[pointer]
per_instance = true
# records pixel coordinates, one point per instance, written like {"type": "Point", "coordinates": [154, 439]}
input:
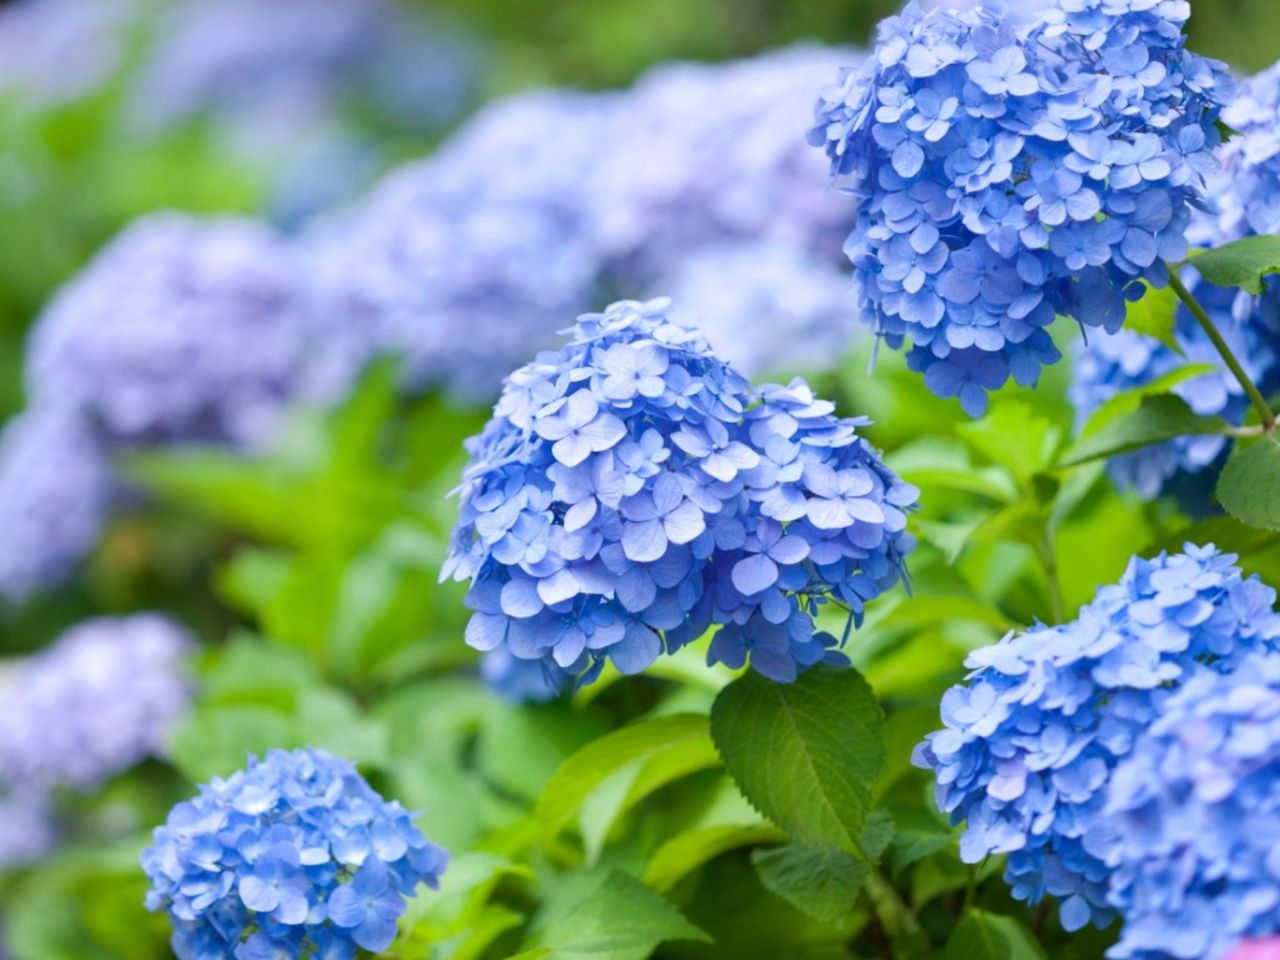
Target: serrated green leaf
{"type": "Point", "coordinates": [989, 936]}
{"type": "Point", "coordinates": [687, 851]}
{"type": "Point", "coordinates": [1155, 315]}
{"type": "Point", "coordinates": [1249, 487]}
{"type": "Point", "coordinates": [621, 919]}
{"type": "Point", "coordinates": [805, 754]}
{"type": "Point", "coordinates": [587, 769]}
{"type": "Point", "coordinates": [1157, 419]}
{"type": "Point", "coordinates": [821, 882]}
{"type": "Point", "coordinates": [1244, 263]}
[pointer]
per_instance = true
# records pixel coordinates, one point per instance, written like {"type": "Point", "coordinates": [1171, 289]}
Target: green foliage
{"type": "Point", "coordinates": [988, 936]}
{"type": "Point", "coordinates": [1157, 418]}
{"type": "Point", "coordinates": [1244, 263]}
{"type": "Point", "coordinates": [1250, 484]}
{"type": "Point", "coordinates": [1155, 315]}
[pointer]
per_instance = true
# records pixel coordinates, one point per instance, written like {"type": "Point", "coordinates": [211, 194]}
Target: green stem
{"type": "Point", "coordinates": [1049, 560]}
{"type": "Point", "coordinates": [1197, 311]}
{"type": "Point", "coordinates": [897, 919]}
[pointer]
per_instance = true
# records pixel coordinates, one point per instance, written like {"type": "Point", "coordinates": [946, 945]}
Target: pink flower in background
{"type": "Point", "coordinates": [1268, 949]}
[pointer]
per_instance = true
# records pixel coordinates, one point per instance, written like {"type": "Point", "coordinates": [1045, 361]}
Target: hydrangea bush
{"type": "Point", "coordinates": [1192, 818]}
{"type": "Point", "coordinates": [633, 491]}
{"type": "Point", "coordinates": [1011, 166]}
{"type": "Point", "coordinates": [294, 856]}
{"type": "Point", "coordinates": [1034, 735]}
{"type": "Point", "coordinates": [1242, 196]}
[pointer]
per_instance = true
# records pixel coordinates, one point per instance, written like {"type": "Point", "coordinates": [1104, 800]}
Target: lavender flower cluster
{"type": "Point", "coordinates": [633, 490]}
{"type": "Point", "coordinates": [295, 856]}
{"type": "Point", "coordinates": [1012, 166]}
{"type": "Point", "coordinates": [1035, 734]}
{"type": "Point", "coordinates": [1242, 202]}
{"type": "Point", "coordinates": [1192, 820]}
{"type": "Point", "coordinates": [52, 51]}
{"type": "Point", "coordinates": [98, 701]}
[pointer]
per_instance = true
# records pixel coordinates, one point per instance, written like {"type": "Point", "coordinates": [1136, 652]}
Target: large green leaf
{"type": "Point", "coordinates": [621, 919]}
{"type": "Point", "coordinates": [687, 851]}
{"type": "Point", "coordinates": [591, 766]}
{"type": "Point", "coordinates": [989, 936]}
{"type": "Point", "coordinates": [822, 882]}
{"type": "Point", "coordinates": [1155, 315]}
{"type": "Point", "coordinates": [1249, 487]}
{"type": "Point", "coordinates": [1157, 419]}
{"type": "Point", "coordinates": [806, 754]}
{"type": "Point", "coordinates": [1244, 263]}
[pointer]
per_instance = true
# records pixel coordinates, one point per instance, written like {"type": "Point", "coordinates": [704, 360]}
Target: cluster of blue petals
{"type": "Point", "coordinates": [1013, 166]}
{"type": "Point", "coordinates": [1244, 200]}
{"type": "Point", "coordinates": [633, 491]}
{"type": "Point", "coordinates": [296, 856]}
{"type": "Point", "coordinates": [1191, 830]}
{"type": "Point", "coordinates": [1033, 735]}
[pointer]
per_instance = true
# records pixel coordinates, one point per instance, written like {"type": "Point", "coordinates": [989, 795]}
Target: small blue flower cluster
{"type": "Point", "coordinates": [523, 681]}
{"type": "Point", "coordinates": [1191, 830]}
{"type": "Point", "coordinates": [99, 700]}
{"type": "Point", "coordinates": [632, 491]}
{"type": "Point", "coordinates": [149, 343]}
{"type": "Point", "coordinates": [55, 490]}
{"type": "Point", "coordinates": [1010, 167]}
{"type": "Point", "coordinates": [52, 51]}
{"type": "Point", "coordinates": [297, 856]}
{"type": "Point", "coordinates": [1243, 202]}
{"type": "Point", "coordinates": [1033, 735]}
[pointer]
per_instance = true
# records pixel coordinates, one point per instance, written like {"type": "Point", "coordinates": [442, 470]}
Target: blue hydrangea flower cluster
{"type": "Point", "coordinates": [465, 264]}
{"type": "Point", "coordinates": [1012, 166]}
{"type": "Point", "coordinates": [55, 490]}
{"type": "Point", "coordinates": [783, 310]}
{"type": "Point", "coordinates": [1192, 824]}
{"type": "Point", "coordinates": [523, 681]}
{"type": "Point", "coordinates": [148, 344]}
{"type": "Point", "coordinates": [99, 700]}
{"type": "Point", "coordinates": [27, 828]}
{"type": "Point", "coordinates": [52, 51]}
{"type": "Point", "coordinates": [633, 491]}
{"type": "Point", "coordinates": [1242, 202]}
{"type": "Point", "coordinates": [1033, 735]}
{"type": "Point", "coordinates": [296, 856]}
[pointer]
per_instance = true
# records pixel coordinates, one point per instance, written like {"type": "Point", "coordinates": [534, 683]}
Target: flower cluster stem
{"type": "Point", "coordinates": [1211, 330]}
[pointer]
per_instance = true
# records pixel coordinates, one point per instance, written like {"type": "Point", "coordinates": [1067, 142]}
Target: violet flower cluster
{"type": "Point", "coordinates": [1192, 820]}
{"type": "Point", "coordinates": [1010, 166]}
{"type": "Point", "coordinates": [1244, 200]}
{"type": "Point", "coordinates": [634, 491]}
{"type": "Point", "coordinates": [294, 856]}
{"type": "Point", "coordinates": [149, 344]}
{"type": "Point", "coordinates": [1034, 735]}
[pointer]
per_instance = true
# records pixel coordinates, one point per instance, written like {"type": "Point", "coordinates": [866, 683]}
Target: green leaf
{"type": "Point", "coordinates": [621, 919]}
{"type": "Point", "coordinates": [591, 766]}
{"type": "Point", "coordinates": [989, 936]}
{"type": "Point", "coordinates": [1249, 487]}
{"type": "Point", "coordinates": [824, 883]}
{"type": "Point", "coordinates": [687, 851]}
{"type": "Point", "coordinates": [1244, 263]}
{"type": "Point", "coordinates": [805, 754]}
{"type": "Point", "coordinates": [945, 462]}
{"type": "Point", "coordinates": [1155, 316]}
{"type": "Point", "coordinates": [1129, 400]}
{"type": "Point", "coordinates": [216, 742]}
{"type": "Point", "coordinates": [1157, 419]}
{"type": "Point", "coordinates": [1014, 436]}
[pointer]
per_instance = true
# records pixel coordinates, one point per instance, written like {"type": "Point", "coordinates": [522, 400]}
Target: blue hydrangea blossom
{"type": "Point", "coordinates": [295, 856]}
{"type": "Point", "coordinates": [52, 51]}
{"type": "Point", "coordinates": [634, 491]}
{"type": "Point", "coordinates": [181, 330]}
{"type": "Point", "coordinates": [522, 681]}
{"type": "Point", "coordinates": [99, 700]}
{"type": "Point", "coordinates": [1192, 821]}
{"type": "Point", "coordinates": [55, 490]}
{"type": "Point", "coordinates": [1242, 202]}
{"type": "Point", "coordinates": [1010, 166]}
{"type": "Point", "coordinates": [27, 827]}
{"type": "Point", "coordinates": [1033, 735]}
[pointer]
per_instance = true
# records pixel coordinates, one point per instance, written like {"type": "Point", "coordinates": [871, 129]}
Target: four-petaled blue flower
{"type": "Point", "coordinates": [634, 491]}
{"type": "Point", "coordinates": [294, 857]}
{"type": "Point", "coordinates": [1012, 166]}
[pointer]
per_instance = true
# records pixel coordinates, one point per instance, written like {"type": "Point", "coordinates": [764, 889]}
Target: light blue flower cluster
{"type": "Point", "coordinates": [1033, 735]}
{"type": "Point", "coordinates": [1242, 202]}
{"type": "Point", "coordinates": [55, 489]}
{"type": "Point", "coordinates": [52, 51]}
{"type": "Point", "coordinates": [1012, 166]}
{"type": "Point", "coordinates": [633, 491]}
{"type": "Point", "coordinates": [296, 856]}
{"type": "Point", "coordinates": [523, 681]}
{"type": "Point", "coordinates": [148, 344]}
{"type": "Point", "coordinates": [27, 828]}
{"type": "Point", "coordinates": [1192, 824]}
{"type": "Point", "coordinates": [99, 700]}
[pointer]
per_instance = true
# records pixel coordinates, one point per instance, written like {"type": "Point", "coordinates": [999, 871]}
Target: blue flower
{"type": "Point", "coordinates": [633, 492]}
{"type": "Point", "coordinates": [1242, 202]}
{"type": "Point", "coordinates": [1013, 166]}
{"type": "Point", "coordinates": [1033, 737]}
{"type": "Point", "coordinates": [1192, 819]}
{"type": "Point", "coordinates": [295, 856]}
